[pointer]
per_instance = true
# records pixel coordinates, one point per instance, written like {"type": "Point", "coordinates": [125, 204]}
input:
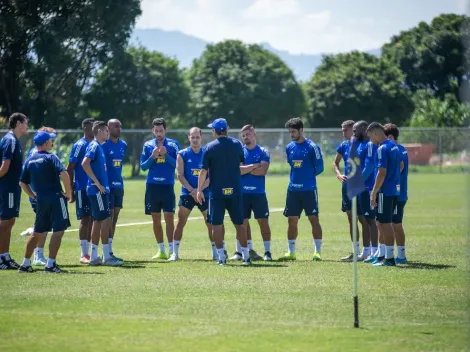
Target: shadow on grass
{"type": "Point", "coordinates": [125, 266]}
{"type": "Point", "coordinates": [256, 265]}
{"type": "Point", "coordinates": [425, 266]}
{"type": "Point", "coordinates": [80, 273]}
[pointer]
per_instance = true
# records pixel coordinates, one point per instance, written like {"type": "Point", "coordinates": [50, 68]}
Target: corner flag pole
{"type": "Point", "coordinates": [355, 255]}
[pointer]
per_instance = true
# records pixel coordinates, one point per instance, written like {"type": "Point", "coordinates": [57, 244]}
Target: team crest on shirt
{"type": "Point", "coordinates": [195, 172]}
{"type": "Point", "coordinates": [160, 160]}
{"type": "Point", "coordinates": [352, 166]}
{"type": "Point", "coordinates": [117, 162]}
{"type": "Point", "coordinates": [227, 191]}
{"type": "Point", "coordinates": [297, 163]}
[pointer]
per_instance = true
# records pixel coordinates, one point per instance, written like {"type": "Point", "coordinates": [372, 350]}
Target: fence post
{"type": "Point", "coordinates": [441, 156]}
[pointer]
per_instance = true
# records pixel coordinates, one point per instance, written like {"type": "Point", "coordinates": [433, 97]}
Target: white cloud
{"type": "Point", "coordinates": [282, 23]}
{"type": "Point", "coordinates": [462, 6]}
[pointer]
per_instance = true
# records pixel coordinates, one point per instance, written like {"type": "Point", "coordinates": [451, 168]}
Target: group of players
{"type": "Point", "coordinates": [224, 175]}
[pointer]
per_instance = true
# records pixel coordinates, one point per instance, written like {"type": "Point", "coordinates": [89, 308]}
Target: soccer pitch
{"type": "Point", "coordinates": [194, 305]}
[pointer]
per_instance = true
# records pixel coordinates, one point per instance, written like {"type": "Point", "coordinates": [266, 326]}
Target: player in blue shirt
{"type": "Point", "coordinates": [43, 172]}
{"type": "Point", "coordinates": [222, 160]}
{"type": "Point", "coordinates": [114, 150]}
{"type": "Point", "coordinates": [10, 191]}
{"type": "Point", "coordinates": [392, 133]}
{"type": "Point", "coordinates": [306, 162]}
{"type": "Point", "coordinates": [254, 170]}
{"type": "Point", "coordinates": [342, 153]}
{"type": "Point", "coordinates": [159, 158]}
{"type": "Point", "coordinates": [386, 189]}
{"type": "Point", "coordinates": [38, 256]}
{"type": "Point", "coordinates": [367, 152]}
{"type": "Point", "coordinates": [94, 164]}
{"type": "Point", "coordinates": [79, 179]}
{"type": "Point", "coordinates": [188, 167]}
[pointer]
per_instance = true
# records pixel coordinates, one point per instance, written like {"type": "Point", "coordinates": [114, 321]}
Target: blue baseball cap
{"type": "Point", "coordinates": [42, 137]}
{"type": "Point", "coordinates": [218, 124]}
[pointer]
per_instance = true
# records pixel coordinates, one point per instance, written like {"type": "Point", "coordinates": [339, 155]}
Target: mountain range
{"type": "Point", "coordinates": [186, 48]}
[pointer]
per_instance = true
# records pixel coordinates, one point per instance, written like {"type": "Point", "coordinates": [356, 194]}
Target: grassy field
{"type": "Point", "coordinates": [194, 305]}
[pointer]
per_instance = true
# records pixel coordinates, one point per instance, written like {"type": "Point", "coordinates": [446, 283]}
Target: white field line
{"type": "Point", "coordinates": [274, 210]}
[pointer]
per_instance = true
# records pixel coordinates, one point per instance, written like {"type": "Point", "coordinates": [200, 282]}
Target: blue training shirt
{"type": "Point", "coordinates": [10, 149]}
{"type": "Point", "coordinates": [306, 163]}
{"type": "Point", "coordinates": [388, 157]}
{"type": "Point", "coordinates": [76, 156]}
{"type": "Point", "coordinates": [254, 184]}
{"type": "Point", "coordinates": [95, 152]}
{"type": "Point", "coordinates": [343, 150]}
{"type": "Point", "coordinates": [114, 153]}
{"type": "Point", "coordinates": [161, 170]}
{"type": "Point", "coordinates": [367, 152]}
{"type": "Point", "coordinates": [222, 158]}
{"type": "Point", "coordinates": [403, 197]}
{"type": "Point", "coordinates": [192, 168]}
{"type": "Point", "coordinates": [42, 172]}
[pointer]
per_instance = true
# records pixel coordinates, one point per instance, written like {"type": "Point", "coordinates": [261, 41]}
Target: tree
{"type": "Point", "coordinates": [357, 86]}
{"type": "Point", "coordinates": [49, 50]}
{"type": "Point", "coordinates": [136, 87]}
{"type": "Point", "coordinates": [245, 84]}
{"type": "Point", "coordinates": [432, 56]}
{"type": "Point", "coordinates": [431, 111]}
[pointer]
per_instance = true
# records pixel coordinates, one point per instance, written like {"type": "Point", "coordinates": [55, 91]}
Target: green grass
{"type": "Point", "coordinates": [193, 305]}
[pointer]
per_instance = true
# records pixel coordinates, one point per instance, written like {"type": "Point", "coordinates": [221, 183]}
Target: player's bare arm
{"type": "Point", "coordinates": [342, 178]}
{"type": "Point", "coordinates": [378, 183]}
{"type": "Point", "coordinates": [246, 169]}
{"type": "Point", "coordinates": [27, 189]}
{"type": "Point", "coordinates": [180, 174]}
{"type": "Point", "coordinates": [64, 176]}
{"type": "Point", "coordinates": [5, 167]}
{"type": "Point", "coordinates": [70, 171]}
{"type": "Point", "coordinates": [200, 186]}
{"type": "Point", "coordinates": [262, 170]}
{"type": "Point", "coordinates": [87, 168]}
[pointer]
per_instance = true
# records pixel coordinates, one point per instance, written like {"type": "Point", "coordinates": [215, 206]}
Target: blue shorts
{"type": "Point", "coordinates": [346, 204]}
{"type": "Point", "coordinates": [158, 198]}
{"type": "Point", "coordinates": [298, 201]}
{"type": "Point", "coordinates": [399, 212]}
{"type": "Point", "coordinates": [217, 207]}
{"type": "Point", "coordinates": [52, 215]}
{"type": "Point", "coordinates": [187, 201]}
{"type": "Point", "coordinates": [364, 207]}
{"type": "Point", "coordinates": [33, 203]}
{"type": "Point", "coordinates": [10, 199]}
{"type": "Point", "coordinates": [385, 208]}
{"type": "Point", "coordinates": [99, 206]}
{"type": "Point", "coordinates": [82, 204]}
{"type": "Point", "coordinates": [258, 203]}
{"type": "Point", "coordinates": [116, 198]}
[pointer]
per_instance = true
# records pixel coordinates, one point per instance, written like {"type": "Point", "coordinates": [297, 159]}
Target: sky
{"type": "Point", "coordinates": [297, 26]}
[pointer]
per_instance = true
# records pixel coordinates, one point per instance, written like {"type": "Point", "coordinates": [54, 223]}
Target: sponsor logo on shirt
{"type": "Point", "coordinates": [117, 162]}
{"type": "Point", "coordinates": [116, 183]}
{"type": "Point", "coordinates": [159, 179]}
{"type": "Point", "coordinates": [195, 172]}
{"type": "Point", "coordinates": [160, 160]}
{"type": "Point", "coordinates": [36, 161]}
{"type": "Point", "coordinates": [227, 191]}
{"type": "Point", "coordinates": [249, 188]}
{"type": "Point", "coordinates": [297, 185]}
{"type": "Point", "coordinates": [297, 163]}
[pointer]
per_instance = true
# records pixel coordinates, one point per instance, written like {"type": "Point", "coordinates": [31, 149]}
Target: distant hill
{"type": "Point", "coordinates": [186, 48]}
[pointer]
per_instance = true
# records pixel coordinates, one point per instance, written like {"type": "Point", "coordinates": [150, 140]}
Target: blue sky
{"type": "Point", "coordinates": [298, 26]}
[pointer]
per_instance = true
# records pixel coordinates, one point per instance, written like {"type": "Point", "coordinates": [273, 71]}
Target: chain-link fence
{"type": "Point", "coordinates": [429, 149]}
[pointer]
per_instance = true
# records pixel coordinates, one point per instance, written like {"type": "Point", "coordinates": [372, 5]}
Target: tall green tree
{"type": "Point", "coordinates": [49, 50]}
{"type": "Point", "coordinates": [136, 87]}
{"type": "Point", "coordinates": [245, 84]}
{"type": "Point", "coordinates": [357, 86]}
{"type": "Point", "coordinates": [432, 56]}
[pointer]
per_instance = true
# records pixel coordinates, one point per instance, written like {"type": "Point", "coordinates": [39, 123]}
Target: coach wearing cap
{"type": "Point", "coordinates": [222, 159]}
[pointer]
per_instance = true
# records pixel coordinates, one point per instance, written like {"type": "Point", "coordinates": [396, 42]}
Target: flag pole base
{"type": "Point", "coordinates": [356, 312]}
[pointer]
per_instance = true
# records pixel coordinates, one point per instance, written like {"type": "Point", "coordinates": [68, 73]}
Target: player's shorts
{"type": "Point", "coordinates": [298, 201]}
{"type": "Point", "coordinates": [82, 204]}
{"type": "Point", "coordinates": [158, 198]}
{"type": "Point", "coordinates": [258, 203]}
{"type": "Point", "coordinates": [346, 203]}
{"type": "Point", "coordinates": [364, 207]}
{"type": "Point", "coordinates": [99, 206]}
{"type": "Point", "coordinates": [116, 198]}
{"type": "Point", "coordinates": [399, 212]}
{"type": "Point", "coordinates": [33, 203]}
{"type": "Point", "coordinates": [385, 208]}
{"type": "Point", "coordinates": [187, 201]}
{"type": "Point", "coordinates": [217, 207]}
{"type": "Point", "coordinates": [52, 215]}
{"type": "Point", "coordinates": [10, 199]}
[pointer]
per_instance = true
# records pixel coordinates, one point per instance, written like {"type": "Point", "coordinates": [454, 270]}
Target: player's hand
{"type": "Point", "coordinates": [72, 198]}
{"type": "Point", "coordinates": [163, 150]}
{"type": "Point", "coordinates": [155, 152]}
{"type": "Point", "coordinates": [193, 194]}
{"type": "Point", "coordinates": [342, 178]}
{"type": "Point", "coordinates": [200, 197]}
{"type": "Point", "coordinates": [101, 188]}
{"type": "Point", "coordinates": [256, 166]}
{"type": "Point", "coordinates": [69, 196]}
{"type": "Point", "coordinates": [373, 199]}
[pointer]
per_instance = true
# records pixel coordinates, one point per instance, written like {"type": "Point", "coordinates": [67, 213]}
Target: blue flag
{"type": "Point", "coordinates": [355, 182]}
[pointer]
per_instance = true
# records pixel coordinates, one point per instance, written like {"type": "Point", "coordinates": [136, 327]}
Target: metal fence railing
{"type": "Point", "coordinates": [431, 149]}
